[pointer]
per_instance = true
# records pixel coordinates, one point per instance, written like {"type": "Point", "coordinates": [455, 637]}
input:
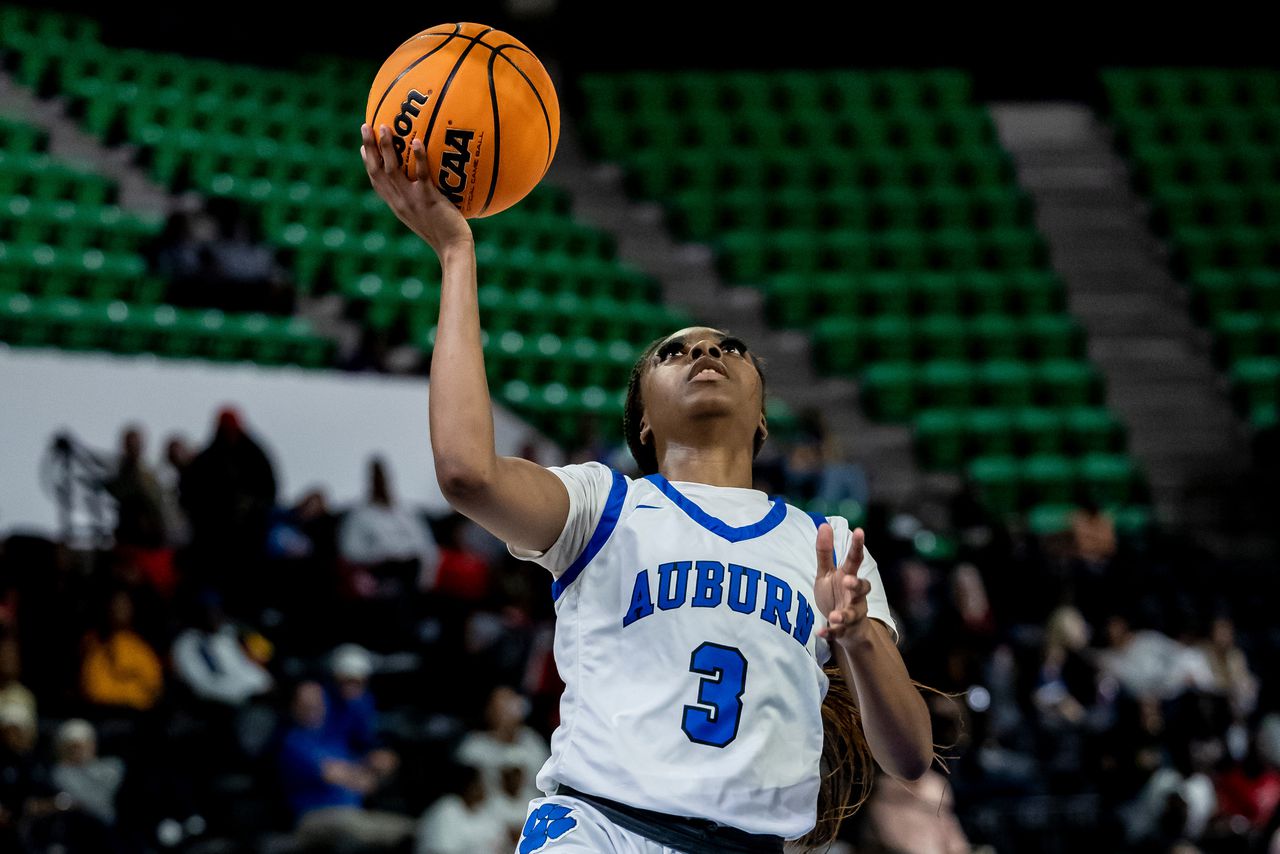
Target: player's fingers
{"type": "Point", "coordinates": [826, 546]}
{"type": "Point", "coordinates": [857, 587]}
{"type": "Point", "coordinates": [853, 562]}
{"type": "Point", "coordinates": [369, 151]}
{"type": "Point", "coordinates": [420, 163]}
{"type": "Point", "coordinates": [390, 163]}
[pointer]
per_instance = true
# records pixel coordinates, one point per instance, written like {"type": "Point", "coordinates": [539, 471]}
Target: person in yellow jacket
{"type": "Point", "coordinates": [118, 667]}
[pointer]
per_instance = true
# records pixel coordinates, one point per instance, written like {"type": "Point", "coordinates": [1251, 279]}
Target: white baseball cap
{"type": "Point", "coordinates": [351, 661]}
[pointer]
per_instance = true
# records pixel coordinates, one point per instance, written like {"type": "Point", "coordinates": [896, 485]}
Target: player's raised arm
{"type": "Point", "coordinates": [516, 500]}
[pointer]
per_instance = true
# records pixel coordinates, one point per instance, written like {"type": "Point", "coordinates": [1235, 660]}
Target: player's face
{"type": "Point", "coordinates": [699, 373]}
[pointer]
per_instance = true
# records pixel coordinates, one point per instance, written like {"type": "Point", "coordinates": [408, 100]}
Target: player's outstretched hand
{"type": "Point", "coordinates": [841, 594]}
{"type": "Point", "coordinates": [418, 204]}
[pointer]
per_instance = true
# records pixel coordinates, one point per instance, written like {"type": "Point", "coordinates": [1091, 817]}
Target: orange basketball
{"type": "Point", "coordinates": [483, 106]}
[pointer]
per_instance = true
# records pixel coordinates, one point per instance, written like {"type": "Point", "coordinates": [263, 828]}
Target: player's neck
{"type": "Point", "coordinates": [715, 465]}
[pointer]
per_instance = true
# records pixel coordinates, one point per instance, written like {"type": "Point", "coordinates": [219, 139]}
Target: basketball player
{"type": "Point", "coordinates": [694, 614]}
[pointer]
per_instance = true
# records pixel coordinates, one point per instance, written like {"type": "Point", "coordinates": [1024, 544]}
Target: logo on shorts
{"type": "Point", "coordinates": [547, 822]}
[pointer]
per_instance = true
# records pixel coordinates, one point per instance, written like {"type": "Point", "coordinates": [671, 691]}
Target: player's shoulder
{"type": "Point", "coordinates": [839, 524]}
{"type": "Point", "coordinates": [590, 470]}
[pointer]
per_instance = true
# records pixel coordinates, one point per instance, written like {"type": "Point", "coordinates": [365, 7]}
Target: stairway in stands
{"type": "Point", "coordinates": [1160, 378]}
{"type": "Point", "coordinates": [690, 280]}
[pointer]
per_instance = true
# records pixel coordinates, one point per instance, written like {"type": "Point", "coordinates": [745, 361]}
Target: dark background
{"type": "Point", "coordinates": [1030, 51]}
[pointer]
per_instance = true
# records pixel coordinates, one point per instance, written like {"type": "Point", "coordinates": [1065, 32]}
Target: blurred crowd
{"type": "Point", "coordinates": [215, 257]}
{"type": "Point", "coordinates": [244, 671]}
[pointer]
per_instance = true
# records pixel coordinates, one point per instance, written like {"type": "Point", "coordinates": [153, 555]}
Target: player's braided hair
{"type": "Point", "coordinates": [646, 456]}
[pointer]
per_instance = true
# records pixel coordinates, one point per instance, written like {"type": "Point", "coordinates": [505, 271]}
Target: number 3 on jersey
{"type": "Point", "coordinates": [725, 670]}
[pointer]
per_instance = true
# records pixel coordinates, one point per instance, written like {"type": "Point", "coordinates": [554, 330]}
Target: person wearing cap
{"type": "Point", "coordinates": [25, 788]}
{"type": "Point", "coordinates": [326, 783]}
{"type": "Point", "coordinates": [352, 713]}
{"type": "Point", "coordinates": [228, 492]}
{"type": "Point", "coordinates": [90, 780]}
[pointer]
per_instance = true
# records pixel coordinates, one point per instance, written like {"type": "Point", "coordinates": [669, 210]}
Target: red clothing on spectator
{"type": "Point", "coordinates": [1255, 798]}
{"type": "Point", "coordinates": [462, 574]}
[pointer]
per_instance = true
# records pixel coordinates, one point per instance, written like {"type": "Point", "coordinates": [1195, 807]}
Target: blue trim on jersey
{"type": "Point", "coordinates": [608, 521]}
{"type": "Point", "coordinates": [717, 526]}
{"type": "Point", "coordinates": [818, 521]}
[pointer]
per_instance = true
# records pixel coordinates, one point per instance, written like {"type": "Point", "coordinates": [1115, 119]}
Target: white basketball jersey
{"type": "Point", "coordinates": [689, 652]}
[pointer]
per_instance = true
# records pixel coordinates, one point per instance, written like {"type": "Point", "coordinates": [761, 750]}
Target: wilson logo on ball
{"type": "Point", "coordinates": [453, 163]}
{"type": "Point", "coordinates": [403, 124]}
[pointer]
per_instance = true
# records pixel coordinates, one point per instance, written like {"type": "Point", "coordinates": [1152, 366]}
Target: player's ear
{"type": "Point", "coordinates": [762, 430]}
{"type": "Point", "coordinates": [646, 432]}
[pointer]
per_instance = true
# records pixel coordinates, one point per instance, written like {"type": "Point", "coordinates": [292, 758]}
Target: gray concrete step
{"type": "Point", "coordinates": [1160, 379]}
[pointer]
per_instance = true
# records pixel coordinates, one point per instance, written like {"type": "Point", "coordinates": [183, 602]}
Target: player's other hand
{"type": "Point", "coordinates": [841, 595]}
{"type": "Point", "coordinates": [418, 204]}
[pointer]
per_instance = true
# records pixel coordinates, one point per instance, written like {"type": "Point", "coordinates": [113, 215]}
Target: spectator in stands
{"type": "Point", "coordinates": [210, 660]}
{"type": "Point", "coordinates": [816, 468]}
{"type": "Point", "coordinates": [1149, 664]}
{"type": "Point", "coordinates": [384, 542]}
{"type": "Point", "coordinates": [510, 803]}
{"type": "Point", "coordinates": [26, 791]}
{"type": "Point", "coordinates": [180, 255]}
{"type": "Point", "coordinates": [1178, 799]}
{"type": "Point", "coordinates": [229, 491]}
{"type": "Point", "coordinates": [244, 266]}
{"type": "Point", "coordinates": [140, 514]}
{"type": "Point", "coordinates": [1093, 533]}
{"type": "Point", "coordinates": [326, 784]}
{"type": "Point", "coordinates": [118, 668]}
{"type": "Point", "coordinates": [969, 626]}
{"type": "Point", "coordinates": [1232, 676]}
{"type": "Point", "coordinates": [462, 573]}
{"type": "Point", "coordinates": [178, 456]}
{"type": "Point", "coordinates": [304, 531]}
{"type": "Point", "coordinates": [1250, 788]}
{"type": "Point", "coordinates": [352, 715]}
{"type": "Point", "coordinates": [12, 691]}
{"type": "Point", "coordinates": [141, 535]}
{"type": "Point", "coordinates": [91, 781]}
{"type": "Point", "coordinates": [463, 821]}
{"type": "Point", "coordinates": [505, 742]}
{"type": "Point", "coordinates": [1067, 683]}
{"type": "Point", "coordinates": [370, 354]}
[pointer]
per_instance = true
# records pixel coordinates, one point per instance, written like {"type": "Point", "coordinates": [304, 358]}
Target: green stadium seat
{"type": "Point", "coordinates": [1257, 382]}
{"type": "Point", "coordinates": [1048, 479]}
{"type": "Point", "coordinates": [1066, 383]}
{"type": "Point", "coordinates": [944, 336]}
{"type": "Point", "coordinates": [997, 336]}
{"type": "Point", "coordinates": [939, 436]}
{"type": "Point", "coordinates": [1109, 478]}
{"type": "Point", "coordinates": [989, 433]}
{"type": "Point", "coordinates": [1039, 431]}
{"type": "Point", "coordinates": [1093, 430]}
{"type": "Point", "coordinates": [839, 346]}
{"type": "Point", "coordinates": [996, 482]}
{"type": "Point", "coordinates": [1046, 520]}
{"type": "Point", "coordinates": [1240, 335]}
{"type": "Point", "coordinates": [888, 390]}
{"type": "Point", "coordinates": [947, 384]}
{"type": "Point", "coordinates": [1006, 383]}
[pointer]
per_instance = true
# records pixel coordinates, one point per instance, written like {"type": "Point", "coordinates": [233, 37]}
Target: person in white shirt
{"type": "Point", "coordinates": [387, 541]}
{"type": "Point", "coordinates": [506, 743]}
{"type": "Point", "coordinates": [91, 781]}
{"type": "Point", "coordinates": [463, 822]}
{"type": "Point", "coordinates": [211, 661]}
{"type": "Point", "coordinates": [696, 616]}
